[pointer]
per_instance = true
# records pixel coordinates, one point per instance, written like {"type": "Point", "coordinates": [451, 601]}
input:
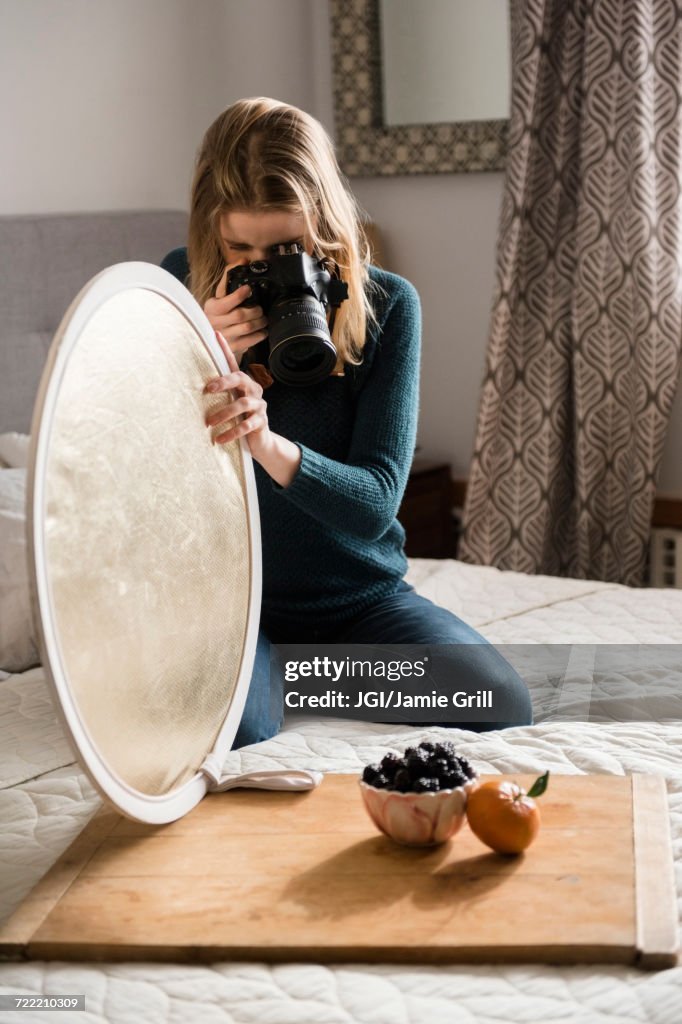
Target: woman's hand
{"type": "Point", "coordinates": [245, 401]}
{"type": "Point", "coordinates": [278, 456]}
{"type": "Point", "coordinates": [241, 326]}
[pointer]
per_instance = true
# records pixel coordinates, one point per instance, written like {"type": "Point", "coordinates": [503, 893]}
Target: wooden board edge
{"type": "Point", "coordinates": [18, 929]}
{"type": "Point", "coordinates": [657, 938]}
{"type": "Point", "coordinates": [531, 955]}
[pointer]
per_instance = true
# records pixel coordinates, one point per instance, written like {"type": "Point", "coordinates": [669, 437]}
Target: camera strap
{"type": "Point", "coordinates": [260, 374]}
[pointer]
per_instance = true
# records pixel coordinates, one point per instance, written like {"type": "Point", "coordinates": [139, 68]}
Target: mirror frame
{"type": "Point", "coordinates": [364, 144]}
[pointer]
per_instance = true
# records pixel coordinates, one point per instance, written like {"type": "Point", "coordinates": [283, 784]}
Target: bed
{"type": "Point", "coordinates": [619, 721]}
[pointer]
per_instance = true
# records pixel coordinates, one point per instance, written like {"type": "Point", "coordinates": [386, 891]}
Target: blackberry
{"type": "Point", "coordinates": [427, 746]}
{"type": "Point", "coordinates": [466, 767]}
{"type": "Point", "coordinates": [370, 773]}
{"type": "Point", "coordinates": [402, 781]}
{"type": "Point", "coordinates": [380, 781]}
{"type": "Point", "coordinates": [390, 763]}
{"type": "Point", "coordinates": [438, 767]}
{"type": "Point", "coordinates": [446, 750]}
{"type": "Point", "coordinates": [410, 752]}
{"type": "Point", "coordinates": [425, 785]}
{"type": "Point", "coordinates": [453, 780]}
{"type": "Point", "coordinates": [417, 764]}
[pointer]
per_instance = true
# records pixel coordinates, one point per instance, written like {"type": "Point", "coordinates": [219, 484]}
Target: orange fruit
{"type": "Point", "coordinates": [503, 816]}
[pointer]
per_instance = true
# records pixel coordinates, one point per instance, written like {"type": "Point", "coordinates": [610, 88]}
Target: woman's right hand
{"type": "Point", "coordinates": [241, 326]}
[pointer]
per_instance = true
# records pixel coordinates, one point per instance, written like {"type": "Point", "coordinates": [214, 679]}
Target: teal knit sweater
{"type": "Point", "coordinates": [332, 545]}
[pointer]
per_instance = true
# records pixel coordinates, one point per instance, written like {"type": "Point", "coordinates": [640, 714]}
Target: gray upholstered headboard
{"type": "Point", "coordinates": [45, 260]}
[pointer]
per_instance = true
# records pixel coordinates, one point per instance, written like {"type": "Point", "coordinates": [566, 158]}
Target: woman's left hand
{"type": "Point", "coordinates": [246, 401]}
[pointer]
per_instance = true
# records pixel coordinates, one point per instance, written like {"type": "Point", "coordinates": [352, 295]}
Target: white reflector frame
{"type": "Point", "coordinates": [144, 543]}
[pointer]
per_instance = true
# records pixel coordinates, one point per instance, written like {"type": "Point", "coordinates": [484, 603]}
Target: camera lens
{"type": "Point", "coordinates": [303, 355]}
{"type": "Point", "coordinates": [301, 349]}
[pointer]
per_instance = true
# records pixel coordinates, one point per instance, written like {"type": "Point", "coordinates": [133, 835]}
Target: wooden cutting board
{"type": "Point", "coordinates": [306, 877]}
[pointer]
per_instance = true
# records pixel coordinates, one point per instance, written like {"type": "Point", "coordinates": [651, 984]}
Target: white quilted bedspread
{"type": "Point", "coordinates": [45, 801]}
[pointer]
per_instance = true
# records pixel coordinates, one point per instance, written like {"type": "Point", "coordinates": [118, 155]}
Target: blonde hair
{"type": "Point", "coordinates": [261, 154]}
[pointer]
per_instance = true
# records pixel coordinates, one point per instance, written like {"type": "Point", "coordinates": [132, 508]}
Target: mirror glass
{"type": "Point", "coordinates": [444, 60]}
{"type": "Point", "coordinates": [145, 541]}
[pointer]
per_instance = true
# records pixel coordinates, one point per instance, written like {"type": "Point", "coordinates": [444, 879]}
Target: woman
{"type": "Point", "coordinates": [331, 459]}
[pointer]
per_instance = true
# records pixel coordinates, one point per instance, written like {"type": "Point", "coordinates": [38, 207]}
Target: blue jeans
{"type": "Point", "coordinates": [403, 618]}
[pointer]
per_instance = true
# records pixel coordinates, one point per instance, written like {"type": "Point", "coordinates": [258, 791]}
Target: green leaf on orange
{"type": "Point", "coordinates": [539, 786]}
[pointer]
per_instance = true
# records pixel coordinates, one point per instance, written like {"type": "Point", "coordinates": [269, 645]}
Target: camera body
{"type": "Point", "coordinates": [295, 291]}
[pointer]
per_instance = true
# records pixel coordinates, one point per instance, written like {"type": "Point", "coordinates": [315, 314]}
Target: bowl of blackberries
{"type": "Point", "coordinates": [419, 798]}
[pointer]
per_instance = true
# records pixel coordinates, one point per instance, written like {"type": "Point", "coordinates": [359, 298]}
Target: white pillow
{"type": "Point", "coordinates": [14, 450]}
{"type": "Point", "coordinates": [18, 645]}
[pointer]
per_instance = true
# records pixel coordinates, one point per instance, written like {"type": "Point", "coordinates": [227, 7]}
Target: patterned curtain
{"type": "Point", "coordinates": [584, 352]}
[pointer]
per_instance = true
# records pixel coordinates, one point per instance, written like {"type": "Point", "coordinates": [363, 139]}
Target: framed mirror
{"type": "Point", "coordinates": [379, 80]}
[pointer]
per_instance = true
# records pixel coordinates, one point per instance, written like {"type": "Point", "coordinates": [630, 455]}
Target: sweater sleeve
{"type": "Point", "coordinates": [362, 496]}
{"type": "Point", "coordinates": [175, 262]}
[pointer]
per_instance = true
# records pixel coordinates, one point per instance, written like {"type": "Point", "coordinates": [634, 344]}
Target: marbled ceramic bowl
{"type": "Point", "coordinates": [418, 819]}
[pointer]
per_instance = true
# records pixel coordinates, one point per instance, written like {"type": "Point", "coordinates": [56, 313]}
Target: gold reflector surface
{"type": "Point", "coordinates": [146, 543]}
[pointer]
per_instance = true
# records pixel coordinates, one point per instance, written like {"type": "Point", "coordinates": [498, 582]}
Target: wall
{"type": "Point", "coordinates": [443, 240]}
{"type": "Point", "coordinates": [100, 106]}
{"type": "Point", "coordinates": [105, 102]}
{"type": "Point", "coordinates": [110, 107]}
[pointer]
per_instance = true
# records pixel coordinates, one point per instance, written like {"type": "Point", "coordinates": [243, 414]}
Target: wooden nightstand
{"type": "Point", "coordinates": [426, 511]}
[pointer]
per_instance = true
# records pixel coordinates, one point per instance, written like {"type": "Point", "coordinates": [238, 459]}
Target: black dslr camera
{"type": "Point", "coordinates": [295, 291]}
